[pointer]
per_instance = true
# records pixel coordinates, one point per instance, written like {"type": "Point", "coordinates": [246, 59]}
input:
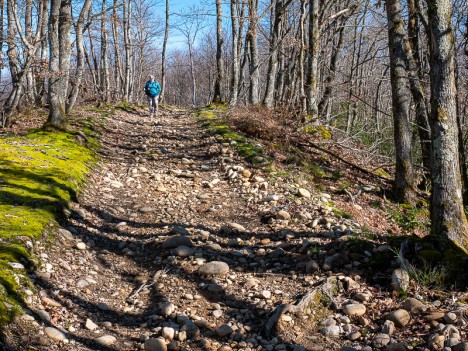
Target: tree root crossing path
{"type": "Point", "coordinates": [177, 243]}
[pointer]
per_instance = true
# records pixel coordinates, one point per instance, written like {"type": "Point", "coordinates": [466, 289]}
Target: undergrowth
{"type": "Point", "coordinates": [210, 117]}
{"type": "Point", "coordinates": [40, 173]}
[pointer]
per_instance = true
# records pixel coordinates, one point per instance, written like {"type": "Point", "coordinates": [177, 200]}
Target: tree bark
{"type": "Point", "coordinates": [403, 187]}
{"type": "Point", "coordinates": [279, 11]}
{"type": "Point", "coordinates": [252, 35]}
{"type": "Point", "coordinates": [80, 59]}
{"type": "Point", "coordinates": [163, 55]}
{"type": "Point", "coordinates": [118, 79]}
{"type": "Point", "coordinates": [329, 80]}
{"type": "Point", "coordinates": [56, 105]}
{"type": "Point", "coordinates": [104, 80]}
{"type": "Point", "coordinates": [313, 53]}
{"type": "Point", "coordinates": [219, 53]}
{"type": "Point", "coordinates": [447, 213]}
{"type": "Point", "coordinates": [235, 58]}
{"type": "Point", "coordinates": [128, 48]}
{"type": "Point", "coordinates": [414, 66]}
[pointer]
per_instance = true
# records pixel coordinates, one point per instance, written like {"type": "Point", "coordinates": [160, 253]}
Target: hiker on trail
{"type": "Point", "coordinates": [152, 91]}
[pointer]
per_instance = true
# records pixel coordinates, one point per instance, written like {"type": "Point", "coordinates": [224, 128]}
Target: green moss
{"type": "Point", "coordinates": [342, 214]}
{"type": "Point", "coordinates": [320, 131]}
{"type": "Point", "coordinates": [40, 173]}
{"type": "Point", "coordinates": [382, 173]}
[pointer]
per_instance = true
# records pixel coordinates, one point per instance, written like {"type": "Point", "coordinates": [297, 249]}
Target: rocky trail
{"type": "Point", "coordinates": [178, 244]}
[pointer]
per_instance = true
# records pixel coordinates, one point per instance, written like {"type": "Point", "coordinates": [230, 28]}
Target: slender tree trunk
{"type": "Point", "coordinates": [30, 85]}
{"type": "Point", "coordinates": [56, 105]}
{"type": "Point", "coordinates": [252, 34]}
{"type": "Point", "coordinates": [447, 213]}
{"type": "Point", "coordinates": [2, 38]}
{"type": "Point", "coordinates": [80, 59]}
{"type": "Point", "coordinates": [64, 48]}
{"type": "Point", "coordinates": [414, 65]}
{"type": "Point", "coordinates": [192, 72]}
{"type": "Point", "coordinates": [104, 60]}
{"type": "Point", "coordinates": [313, 53]}
{"type": "Point", "coordinates": [235, 54]}
{"type": "Point", "coordinates": [303, 100]}
{"type": "Point", "coordinates": [163, 56]}
{"type": "Point", "coordinates": [118, 79]}
{"type": "Point", "coordinates": [330, 79]}
{"type": "Point", "coordinates": [41, 90]}
{"type": "Point", "coordinates": [128, 49]}
{"type": "Point", "coordinates": [279, 10]}
{"type": "Point", "coordinates": [16, 71]}
{"type": "Point", "coordinates": [403, 187]}
{"type": "Point", "coordinates": [219, 53]}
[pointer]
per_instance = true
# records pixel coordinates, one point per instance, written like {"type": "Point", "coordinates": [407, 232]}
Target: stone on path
{"type": "Point", "coordinates": [155, 345]}
{"type": "Point", "coordinates": [354, 309]}
{"type": "Point", "coordinates": [214, 268]}
{"type": "Point", "coordinates": [283, 215]}
{"type": "Point", "coordinates": [400, 317]}
{"type": "Point", "coordinates": [183, 251]}
{"type": "Point", "coordinates": [54, 334]}
{"type": "Point", "coordinates": [90, 325]}
{"type": "Point", "coordinates": [177, 241]}
{"type": "Point", "coordinates": [225, 330]}
{"type": "Point", "coordinates": [304, 193]}
{"type": "Point", "coordinates": [106, 340]}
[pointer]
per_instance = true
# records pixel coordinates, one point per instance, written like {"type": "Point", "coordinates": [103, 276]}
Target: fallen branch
{"type": "Point", "coordinates": [352, 165]}
{"type": "Point", "coordinates": [149, 282]}
{"type": "Point", "coordinates": [308, 301]}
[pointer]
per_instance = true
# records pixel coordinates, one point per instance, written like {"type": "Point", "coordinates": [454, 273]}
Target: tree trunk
{"type": "Point", "coordinates": [414, 65]}
{"type": "Point", "coordinates": [235, 53]}
{"type": "Point", "coordinates": [252, 35]}
{"type": "Point", "coordinates": [56, 104]}
{"type": "Point", "coordinates": [192, 73]}
{"type": "Point", "coordinates": [303, 100]}
{"type": "Point", "coordinates": [41, 90]}
{"type": "Point", "coordinates": [118, 79]}
{"type": "Point", "coordinates": [2, 38]}
{"type": "Point", "coordinates": [329, 80]}
{"type": "Point", "coordinates": [128, 49]}
{"type": "Point", "coordinates": [313, 53]}
{"type": "Point", "coordinates": [104, 61]}
{"type": "Point", "coordinates": [403, 187]}
{"type": "Point", "coordinates": [447, 214]}
{"type": "Point", "coordinates": [279, 11]}
{"type": "Point", "coordinates": [163, 55]}
{"type": "Point", "coordinates": [79, 55]}
{"type": "Point", "coordinates": [219, 52]}
{"type": "Point", "coordinates": [14, 64]}
{"type": "Point", "coordinates": [30, 85]}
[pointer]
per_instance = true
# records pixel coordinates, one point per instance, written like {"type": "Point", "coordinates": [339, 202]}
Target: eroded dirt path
{"type": "Point", "coordinates": [158, 182]}
{"type": "Point", "coordinates": [165, 200]}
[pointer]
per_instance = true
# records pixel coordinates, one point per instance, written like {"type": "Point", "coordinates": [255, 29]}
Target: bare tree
{"type": "Point", "coordinates": [59, 61]}
{"type": "Point", "coordinates": [219, 52]}
{"type": "Point", "coordinates": [403, 187]}
{"type": "Point", "coordinates": [163, 55]}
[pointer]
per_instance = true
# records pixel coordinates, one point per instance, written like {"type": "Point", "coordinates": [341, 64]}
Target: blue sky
{"type": "Point", "coordinates": [176, 40]}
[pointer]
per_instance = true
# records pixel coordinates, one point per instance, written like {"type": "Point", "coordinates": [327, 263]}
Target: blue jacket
{"type": "Point", "coordinates": [152, 88]}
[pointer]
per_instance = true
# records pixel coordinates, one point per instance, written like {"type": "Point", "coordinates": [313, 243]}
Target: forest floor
{"type": "Point", "coordinates": [178, 243]}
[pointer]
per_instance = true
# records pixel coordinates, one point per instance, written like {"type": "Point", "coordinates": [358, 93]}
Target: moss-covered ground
{"type": "Point", "coordinates": [211, 117]}
{"type": "Point", "coordinates": [40, 173]}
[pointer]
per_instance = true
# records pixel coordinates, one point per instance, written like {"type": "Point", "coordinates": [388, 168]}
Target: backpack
{"type": "Point", "coordinates": [152, 89]}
